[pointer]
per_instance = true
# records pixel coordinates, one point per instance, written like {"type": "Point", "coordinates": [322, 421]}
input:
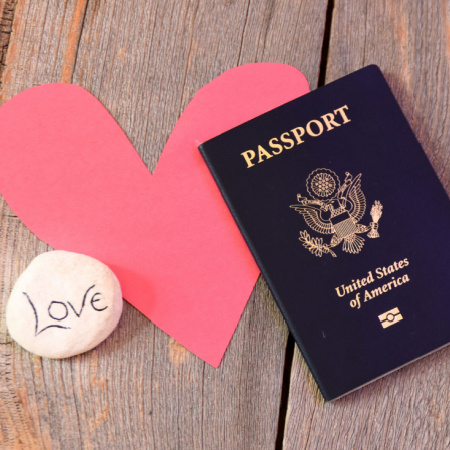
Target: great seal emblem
{"type": "Point", "coordinates": [336, 209]}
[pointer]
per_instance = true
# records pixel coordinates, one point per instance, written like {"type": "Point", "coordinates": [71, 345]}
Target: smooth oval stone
{"type": "Point", "coordinates": [63, 304]}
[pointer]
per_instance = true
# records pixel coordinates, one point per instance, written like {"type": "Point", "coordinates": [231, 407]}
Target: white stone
{"type": "Point", "coordinates": [63, 304]}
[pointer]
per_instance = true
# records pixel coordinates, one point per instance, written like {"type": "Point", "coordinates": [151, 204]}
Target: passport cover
{"type": "Point", "coordinates": [349, 225]}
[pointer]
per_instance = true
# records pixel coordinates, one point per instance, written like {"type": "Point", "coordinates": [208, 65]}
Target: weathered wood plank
{"type": "Point", "coordinates": [7, 10]}
{"type": "Point", "coordinates": [20, 400]}
{"type": "Point", "coordinates": [43, 45]}
{"type": "Point", "coordinates": [145, 60]}
{"type": "Point", "coordinates": [35, 52]}
{"type": "Point", "coordinates": [409, 40]}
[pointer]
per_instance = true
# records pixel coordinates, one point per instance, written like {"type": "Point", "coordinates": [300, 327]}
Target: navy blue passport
{"type": "Point", "coordinates": [348, 223]}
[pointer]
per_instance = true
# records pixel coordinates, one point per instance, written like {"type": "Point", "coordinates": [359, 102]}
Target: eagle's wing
{"type": "Point", "coordinates": [357, 199]}
{"type": "Point", "coordinates": [311, 216]}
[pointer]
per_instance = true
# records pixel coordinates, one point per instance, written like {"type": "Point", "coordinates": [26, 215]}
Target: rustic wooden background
{"type": "Point", "coordinates": [145, 60]}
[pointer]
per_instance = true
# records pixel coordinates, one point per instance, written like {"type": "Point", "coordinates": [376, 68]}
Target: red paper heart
{"type": "Point", "coordinates": [71, 175]}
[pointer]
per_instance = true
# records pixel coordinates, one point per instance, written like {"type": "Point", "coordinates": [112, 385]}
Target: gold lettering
{"type": "Point", "coordinates": [273, 144]}
{"type": "Point", "coordinates": [356, 302]}
{"type": "Point", "coordinates": [287, 141]}
{"type": "Point", "coordinates": [381, 272]}
{"type": "Point", "coordinates": [298, 133]}
{"type": "Point", "coordinates": [296, 136]}
{"type": "Point", "coordinates": [262, 152]}
{"type": "Point", "coordinates": [375, 292]}
{"type": "Point", "coordinates": [319, 125]}
{"type": "Point", "coordinates": [329, 119]}
{"type": "Point", "coordinates": [248, 156]}
{"type": "Point", "coordinates": [342, 113]}
{"type": "Point", "coordinates": [339, 292]}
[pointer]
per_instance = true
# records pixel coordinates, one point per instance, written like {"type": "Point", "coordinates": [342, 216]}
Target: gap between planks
{"type": "Point", "coordinates": [290, 345]}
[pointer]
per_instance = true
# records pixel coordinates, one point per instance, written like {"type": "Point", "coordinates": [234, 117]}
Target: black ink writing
{"type": "Point", "coordinates": [82, 305]}
{"type": "Point", "coordinates": [58, 310]}
{"type": "Point", "coordinates": [95, 300]}
{"type": "Point", "coordinates": [37, 319]}
{"type": "Point", "coordinates": [66, 311]}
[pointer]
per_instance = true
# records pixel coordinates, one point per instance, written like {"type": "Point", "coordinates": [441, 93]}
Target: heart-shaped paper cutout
{"type": "Point", "coordinates": [71, 175]}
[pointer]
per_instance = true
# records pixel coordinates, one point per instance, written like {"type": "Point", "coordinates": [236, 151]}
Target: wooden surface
{"type": "Point", "coordinates": [145, 60]}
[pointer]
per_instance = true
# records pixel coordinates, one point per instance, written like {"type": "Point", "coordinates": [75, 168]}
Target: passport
{"type": "Point", "coordinates": [348, 223]}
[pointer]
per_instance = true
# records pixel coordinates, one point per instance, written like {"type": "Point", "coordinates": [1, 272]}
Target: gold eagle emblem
{"type": "Point", "coordinates": [336, 209]}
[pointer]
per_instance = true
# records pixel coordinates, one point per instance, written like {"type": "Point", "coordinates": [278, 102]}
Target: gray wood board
{"type": "Point", "coordinates": [145, 60]}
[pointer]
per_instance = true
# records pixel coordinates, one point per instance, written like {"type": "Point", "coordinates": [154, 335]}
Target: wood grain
{"type": "Point", "coordinates": [410, 408]}
{"type": "Point", "coordinates": [7, 9]}
{"type": "Point", "coordinates": [140, 389]}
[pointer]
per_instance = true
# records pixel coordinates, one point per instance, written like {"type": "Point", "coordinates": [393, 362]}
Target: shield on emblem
{"type": "Point", "coordinates": [343, 225]}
